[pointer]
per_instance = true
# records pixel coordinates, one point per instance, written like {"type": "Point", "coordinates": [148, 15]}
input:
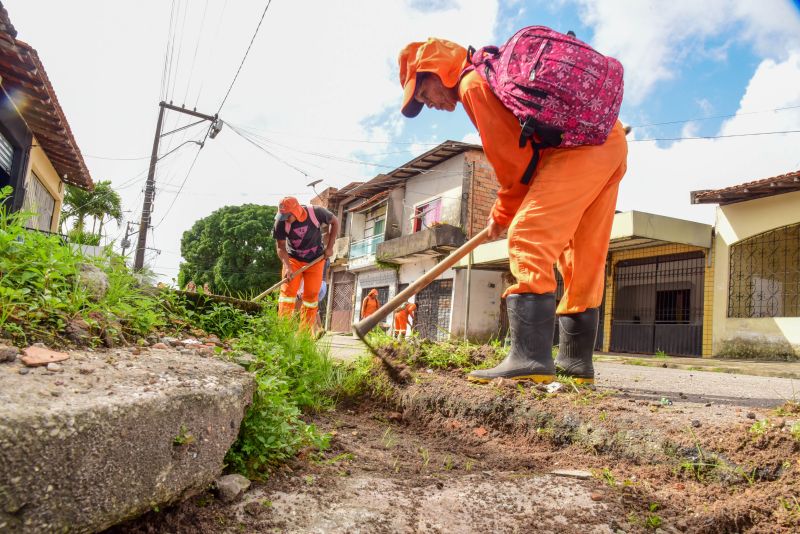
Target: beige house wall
{"type": "Point", "coordinates": [736, 222]}
{"type": "Point", "coordinates": [44, 170]}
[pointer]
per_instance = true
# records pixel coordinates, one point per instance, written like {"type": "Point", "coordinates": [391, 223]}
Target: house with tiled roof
{"type": "Point", "coordinates": [38, 152]}
{"type": "Point", "coordinates": [756, 297]}
{"type": "Point", "coordinates": [398, 225]}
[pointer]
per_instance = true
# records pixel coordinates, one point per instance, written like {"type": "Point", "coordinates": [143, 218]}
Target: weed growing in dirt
{"type": "Point", "coordinates": [426, 456]}
{"type": "Point", "coordinates": [389, 440]}
{"type": "Point", "coordinates": [607, 477]}
{"type": "Point", "coordinates": [183, 437]}
{"type": "Point", "coordinates": [795, 430]}
{"type": "Point", "coordinates": [759, 428]}
{"type": "Point", "coordinates": [792, 507]}
{"type": "Point", "coordinates": [661, 355]}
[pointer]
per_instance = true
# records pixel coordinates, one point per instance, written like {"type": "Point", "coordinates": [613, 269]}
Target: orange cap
{"type": "Point", "coordinates": [290, 206]}
{"type": "Point", "coordinates": [444, 58]}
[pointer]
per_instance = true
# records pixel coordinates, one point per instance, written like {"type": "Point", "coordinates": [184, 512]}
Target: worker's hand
{"type": "Point", "coordinates": [328, 251]}
{"type": "Point", "coordinates": [287, 269]}
{"type": "Point", "coordinates": [495, 230]}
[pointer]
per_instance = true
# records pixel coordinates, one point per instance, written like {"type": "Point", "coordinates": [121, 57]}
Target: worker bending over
{"type": "Point", "coordinates": [563, 215]}
{"type": "Point", "coordinates": [402, 317]}
{"type": "Point", "coordinates": [298, 239]}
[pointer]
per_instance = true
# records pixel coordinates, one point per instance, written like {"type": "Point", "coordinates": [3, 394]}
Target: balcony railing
{"type": "Point", "coordinates": [365, 247]}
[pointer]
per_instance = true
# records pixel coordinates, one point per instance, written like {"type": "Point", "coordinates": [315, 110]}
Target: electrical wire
{"type": "Point", "coordinates": [726, 136]}
{"type": "Point", "coordinates": [712, 117]}
{"type": "Point", "coordinates": [165, 71]}
{"type": "Point", "coordinates": [194, 56]}
{"type": "Point", "coordinates": [188, 173]}
{"type": "Point", "coordinates": [246, 52]}
{"type": "Point", "coordinates": [213, 52]}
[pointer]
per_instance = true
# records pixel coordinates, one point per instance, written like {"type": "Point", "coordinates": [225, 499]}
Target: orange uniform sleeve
{"type": "Point", "coordinates": [499, 130]}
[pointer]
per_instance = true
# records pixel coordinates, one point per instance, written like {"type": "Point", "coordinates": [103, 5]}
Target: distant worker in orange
{"type": "Point", "coordinates": [370, 303]}
{"type": "Point", "coordinates": [298, 239]}
{"type": "Point", "coordinates": [402, 317]}
{"type": "Point", "coordinates": [556, 203]}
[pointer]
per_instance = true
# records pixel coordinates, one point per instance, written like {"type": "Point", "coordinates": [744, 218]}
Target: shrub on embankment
{"type": "Point", "coordinates": [43, 299]}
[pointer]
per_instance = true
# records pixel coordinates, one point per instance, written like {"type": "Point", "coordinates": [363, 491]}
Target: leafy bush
{"type": "Point", "coordinates": [40, 291]}
{"type": "Point", "coordinates": [292, 375]}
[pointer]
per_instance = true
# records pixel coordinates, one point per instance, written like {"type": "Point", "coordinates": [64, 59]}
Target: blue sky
{"type": "Point", "coordinates": [319, 97]}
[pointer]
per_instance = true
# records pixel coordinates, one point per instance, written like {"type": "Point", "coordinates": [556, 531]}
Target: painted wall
{"type": "Point", "coordinates": [40, 164]}
{"type": "Point", "coordinates": [736, 222]}
{"type": "Point", "coordinates": [486, 290]}
{"type": "Point", "coordinates": [443, 181]}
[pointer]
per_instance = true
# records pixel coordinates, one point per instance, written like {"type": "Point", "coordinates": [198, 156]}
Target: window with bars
{"type": "Point", "coordinates": [765, 275]}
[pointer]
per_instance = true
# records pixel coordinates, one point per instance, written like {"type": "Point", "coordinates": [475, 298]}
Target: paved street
{"type": "Point", "coordinates": [653, 382]}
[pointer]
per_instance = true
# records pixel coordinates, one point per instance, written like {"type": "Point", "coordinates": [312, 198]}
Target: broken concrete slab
{"type": "Point", "coordinates": [38, 356]}
{"type": "Point", "coordinates": [84, 451]}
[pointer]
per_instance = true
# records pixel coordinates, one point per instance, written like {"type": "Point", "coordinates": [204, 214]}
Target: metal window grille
{"type": "Point", "coordinates": [433, 310]}
{"type": "Point", "coordinates": [765, 275]}
{"type": "Point", "coordinates": [342, 301]}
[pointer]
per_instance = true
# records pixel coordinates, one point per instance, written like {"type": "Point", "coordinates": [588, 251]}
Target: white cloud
{"type": "Point", "coordinates": [318, 70]}
{"type": "Point", "coordinates": [654, 38]}
{"type": "Point", "coordinates": [659, 179]}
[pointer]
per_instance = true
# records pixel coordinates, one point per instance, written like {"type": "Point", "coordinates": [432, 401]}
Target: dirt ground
{"type": "Point", "coordinates": [441, 455]}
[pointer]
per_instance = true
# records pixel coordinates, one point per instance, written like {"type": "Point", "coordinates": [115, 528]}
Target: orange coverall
{"type": "Point", "coordinates": [401, 318]}
{"type": "Point", "coordinates": [370, 304]}
{"type": "Point", "coordinates": [566, 213]}
{"type": "Point", "coordinates": [312, 281]}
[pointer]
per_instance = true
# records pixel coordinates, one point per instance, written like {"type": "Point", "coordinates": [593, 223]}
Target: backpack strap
{"type": "Point", "coordinates": [548, 137]}
{"type": "Point", "coordinates": [312, 215]}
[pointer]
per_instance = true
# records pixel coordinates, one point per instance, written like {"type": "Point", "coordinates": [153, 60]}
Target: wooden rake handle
{"type": "Point", "coordinates": [365, 325]}
{"type": "Point", "coordinates": [287, 278]}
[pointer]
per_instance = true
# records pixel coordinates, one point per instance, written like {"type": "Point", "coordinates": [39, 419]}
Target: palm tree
{"type": "Point", "coordinates": [99, 203]}
{"type": "Point", "coordinates": [76, 204]}
{"type": "Point", "coordinates": [105, 203]}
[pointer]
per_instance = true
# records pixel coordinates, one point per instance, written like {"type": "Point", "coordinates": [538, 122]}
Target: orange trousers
{"type": "Point", "coordinates": [312, 281]}
{"type": "Point", "coordinates": [566, 217]}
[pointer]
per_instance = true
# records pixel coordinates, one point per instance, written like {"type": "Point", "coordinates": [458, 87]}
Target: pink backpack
{"type": "Point", "coordinates": [562, 91]}
{"type": "Point", "coordinates": [311, 215]}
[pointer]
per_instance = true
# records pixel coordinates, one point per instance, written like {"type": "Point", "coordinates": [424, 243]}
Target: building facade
{"type": "Point", "coordinates": [38, 153]}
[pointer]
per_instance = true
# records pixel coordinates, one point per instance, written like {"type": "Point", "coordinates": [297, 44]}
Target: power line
{"type": "Point", "coordinates": [188, 173]}
{"type": "Point", "coordinates": [752, 134]}
{"type": "Point", "coordinates": [711, 117]}
{"type": "Point", "coordinates": [196, 47]}
{"type": "Point", "coordinates": [213, 52]}
{"type": "Point", "coordinates": [246, 52]}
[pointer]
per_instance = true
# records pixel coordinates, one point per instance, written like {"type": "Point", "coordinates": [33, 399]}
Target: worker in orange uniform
{"type": "Point", "coordinates": [298, 239]}
{"type": "Point", "coordinates": [402, 316]}
{"type": "Point", "coordinates": [564, 215]}
{"type": "Point", "coordinates": [370, 304]}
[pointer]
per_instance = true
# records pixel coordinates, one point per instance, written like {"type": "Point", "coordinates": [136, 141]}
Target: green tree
{"type": "Point", "coordinates": [232, 250]}
{"type": "Point", "coordinates": [100, 203]}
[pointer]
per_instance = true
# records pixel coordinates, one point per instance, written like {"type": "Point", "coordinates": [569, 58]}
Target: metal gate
{"type": "Point", "coordinates": [658, 305]}
{"type": "Point", "coordinates": [433, 310]}
{"type": "Point", "coordinates": [383, 296]}
{"type": "Point", "coordinates": [344, 284]}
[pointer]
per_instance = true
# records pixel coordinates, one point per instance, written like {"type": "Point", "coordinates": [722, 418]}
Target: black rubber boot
{"type": "Point", "coordinates": [531, 319]}
{"type": "Point", "coordinates": [577, 333]}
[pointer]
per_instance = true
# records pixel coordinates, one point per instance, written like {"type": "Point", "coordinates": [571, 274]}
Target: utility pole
{"type": "Point", "coordinates": [126, 242]}
{"type": "Point", "coordinates": [150, 187]}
